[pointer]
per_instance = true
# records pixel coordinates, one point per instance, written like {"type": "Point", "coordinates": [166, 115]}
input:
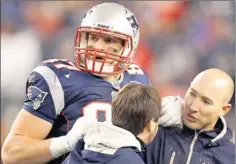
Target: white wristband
{"type": "Point", "coordinates": [59, 146]}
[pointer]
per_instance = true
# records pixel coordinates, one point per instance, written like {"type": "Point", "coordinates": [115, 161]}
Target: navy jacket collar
{"type": "Point", "coordinates": [216, 137]}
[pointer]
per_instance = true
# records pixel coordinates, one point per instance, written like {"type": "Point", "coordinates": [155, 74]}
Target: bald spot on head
{"type": "Point", "coordinates": [216, 81]}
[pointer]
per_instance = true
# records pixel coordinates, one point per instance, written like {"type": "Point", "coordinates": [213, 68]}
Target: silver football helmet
{"type": "Point", "coordinates": [108, 19]}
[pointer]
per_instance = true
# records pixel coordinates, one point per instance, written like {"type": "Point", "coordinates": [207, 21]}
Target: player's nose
{"type": "Point", "coordinates": [100, 44]}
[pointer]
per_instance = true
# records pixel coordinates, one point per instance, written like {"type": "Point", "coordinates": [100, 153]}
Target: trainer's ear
{"type": "Point", "coordinates": [226, 108]}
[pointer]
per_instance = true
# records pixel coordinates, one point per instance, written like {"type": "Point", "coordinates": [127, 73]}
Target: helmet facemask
{"type": "Point", "coordinates": [96, 60]}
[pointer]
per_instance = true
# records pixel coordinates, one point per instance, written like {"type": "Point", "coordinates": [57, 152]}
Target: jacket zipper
{"type": "Point", "coordinates": [172, 157]}
{"type": "Point", "coordinates": [191, 148]}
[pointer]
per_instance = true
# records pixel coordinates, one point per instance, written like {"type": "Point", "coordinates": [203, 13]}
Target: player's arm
{"type": "Point", "coordinates": [26, 141]}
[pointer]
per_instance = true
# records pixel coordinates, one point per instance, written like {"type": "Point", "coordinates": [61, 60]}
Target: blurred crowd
{"type": "Point", "coordinates": [178, 40]}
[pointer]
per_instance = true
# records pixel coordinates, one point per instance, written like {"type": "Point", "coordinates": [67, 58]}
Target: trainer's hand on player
{"type": "Point", "coordinates": [171, 112]}
{"type": "Point", "coordinates": [65, 144]}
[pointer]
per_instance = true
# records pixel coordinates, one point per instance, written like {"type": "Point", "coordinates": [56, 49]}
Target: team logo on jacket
{"type": "Point", "coordinates": [36, 95]}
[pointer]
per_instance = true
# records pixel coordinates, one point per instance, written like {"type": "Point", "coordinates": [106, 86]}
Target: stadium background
{"type": "Point", "coordinates": [178, 40]}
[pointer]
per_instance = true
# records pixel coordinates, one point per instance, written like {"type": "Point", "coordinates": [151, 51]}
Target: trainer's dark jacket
{"type": "Point", "coordinates": [186, 146]}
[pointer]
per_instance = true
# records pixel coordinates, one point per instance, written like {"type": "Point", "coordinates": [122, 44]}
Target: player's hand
{"type": "Point", "coordinates": [171, 112]}
{"type": "Point", "coordinates": [79, 129]}
{"type": "Point", "coordinates": [65, 144]}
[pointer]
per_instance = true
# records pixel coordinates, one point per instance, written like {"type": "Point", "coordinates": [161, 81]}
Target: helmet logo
{"type": "Point", "coordinates": [89, 12]}
{"type": "Point", "coordinates": [133, 23]}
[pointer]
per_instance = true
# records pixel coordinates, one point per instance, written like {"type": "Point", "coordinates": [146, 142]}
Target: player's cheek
{"type": "Point", "coordinates": [112, 49]}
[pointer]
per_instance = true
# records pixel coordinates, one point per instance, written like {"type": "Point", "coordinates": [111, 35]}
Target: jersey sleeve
{"type": "Point", "coordinates": [44, 94]}
{"type": "Point", "coordinates": [145, 79]}
{"type": "Point", "coordinates": [137, 74]}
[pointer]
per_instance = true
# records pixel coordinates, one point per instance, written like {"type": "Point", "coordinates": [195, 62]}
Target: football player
{"type": "Point", "coordinates": [60, 91]}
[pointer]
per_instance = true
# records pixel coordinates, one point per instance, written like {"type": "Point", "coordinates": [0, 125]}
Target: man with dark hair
{"type": "Point", "coordinates": [135, 113]}
{"type": "Point", "coordinates": [139, 104]}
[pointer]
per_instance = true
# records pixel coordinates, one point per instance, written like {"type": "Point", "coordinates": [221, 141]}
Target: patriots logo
{"type": "Point", "coordinates": [133, 23]}
{"type": "Point", "coordinates": [36, 95]}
